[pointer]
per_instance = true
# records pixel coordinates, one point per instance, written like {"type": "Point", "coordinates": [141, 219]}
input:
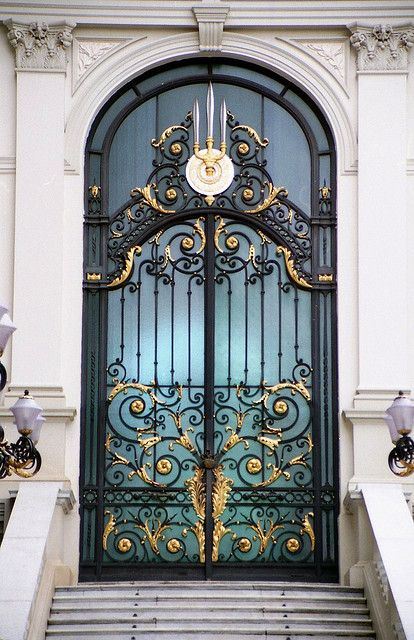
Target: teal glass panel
{"type": "Point", "coordinates": [288, 154]}
{"type": "Point", "coordinates": [311, 118]}
{"type": "Point", "coordinates": [95, 169]}
{"type": "Point", "coordinates": [251, 75]}
{"type": "Point", "coordinates": [131, 169]}
{"type": "Point", "coordinates": [109, 116]}
{"type": "Point", "coordinates": [161, 78]}
{"type": "Point", "coordinates": [324, 170]}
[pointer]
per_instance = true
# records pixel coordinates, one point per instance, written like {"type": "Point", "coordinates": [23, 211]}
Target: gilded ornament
{"type": "Point", "coordinates": [173, 545]}
{"type": "Point", "coordinates": [243, 149]}
{"type": "Point", "coordinates": [187, 243]}
{"type": "Point", "coordinates": [280, 407]}
{"type": "Point", "coordinates": [163, 466]}
{"type": "Point", "coordinates": [252, 133]}
{"type": "Point", "coordinates": [147, 443]}
{"type": "Point", "coordinates": [325, 277]}
{"type": "Point", "coordinates": [176, 149]}
{"type": "Point", "coordinates": [93, 276]}
{"type": "Point", "coordinates": [232, 242]}
{"type": "Point", "coordinates": [263, 535]}
{"type": "Point", "coordinates": [293, 545]}
{"type": "Point", "coordinates": [137, 406]}
{"type": "Point", "coordinates": [129, 263]}
{"type": "Point", "coordinates": [254, 465]}
{"type": "Point", "coordinates": [109, 528]}
{"type": "Point", "coordinates": [325, 192]}
{"type": "Point", "coordinates": [272, 198]}
{"type": "Point", "coordinates": [121, 387]}
{"type": "Point", "coordinates": [153, 534]}
{"type": "Point", "coordinates": [219, 532]}
{"type": "Point", "coordinates": [247, 194]}
{"type": "Point", "coordinates": [307, 529]}
{"type": "Point", "coordinates": [171, 194]}
{"type": "Point", "coordinates": [124, 545]}
{"type": "Point", "coordinates": [166, 134]}
{"type": "Point", "coordinates": [94, 191]}
{"type": "Point", "coordinates": [145, 192]}
{"type": "Point", "coordinates": [244, 545]}
{"type": "Point", "coordinates": [209, 200]}
{"type": "Point", "coordinates": [291, 269]}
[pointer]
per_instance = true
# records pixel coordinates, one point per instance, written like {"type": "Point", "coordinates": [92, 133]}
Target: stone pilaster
{"type": "Point", "coordinates": [40, 46]}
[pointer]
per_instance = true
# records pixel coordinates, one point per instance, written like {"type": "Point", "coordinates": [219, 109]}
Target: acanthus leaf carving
{"type": "Point", "coordinates": [40, 46]}
{"type": "Point", "coordinates": [383, 47]}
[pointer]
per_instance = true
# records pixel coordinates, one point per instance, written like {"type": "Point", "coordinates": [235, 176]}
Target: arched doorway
{"type": "Point", "coordinates": [209, 419]}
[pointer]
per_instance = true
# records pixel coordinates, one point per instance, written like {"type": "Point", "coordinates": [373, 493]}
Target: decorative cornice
{"type": "Point", "coordinates": [210, 18]}
{"type": "Point", "coordinates": [383, 47]}
{"type": "Point", "coordinates": [40, 46]}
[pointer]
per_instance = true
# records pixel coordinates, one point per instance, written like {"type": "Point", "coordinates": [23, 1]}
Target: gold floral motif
{"type": "Point", "coordinates": [187, 243]}
{"type": "Point", "coordinates": [307, 529]}
{"type": "Point", "coordinates": [252, 133]}
{"type": "Point", "coordinates": [243, 149]}
{"type": "Point", "coordinates": [293, 545]}
{"type": "Point", "coordinates": [219, 532]}
{"type": "Point", "coordinates": [167, 134]}
{"type": "Point", "coordinates": [221, 228]}
{"type": "Point", "coordinates": [145, 192]}
{"type": "Point", "coordinates": [141, 472]}
{"type": "Point", "coordinates": [176, 149]}
{"type": "Point", "coordinates": [124, 545]}
{"type": "Point", "coordinates": [171, 194]}
{"type": "Point", "coordinates": [109, 528]}
{"type": "Point", "coordinates": [153, 533]}
{"type": "Point", "coordinates": [291, 269]}
{"type": "Point", "coordinates": [163, 466]}
{"type": "Point", "coordinates": [221, 491]}
{"type": "Point", "coordinates": [272, 198]}
{"type": "Point", "coordinates": [232, 242]}
{"type": "Point", "coordinates": [263, 535]}
{"type": "Point", "coordinates": [183, 441]}
{"type": "Point", "coordinates": [247, 194]}
{"type": "Point", "coordinates": [198, 229]}
{"type": "Point", "coordinates": [244, 545]}
{"type": "Point", "coordinates": [173, 545]}
{"type": "Point", "coordinates": [280, 407]}
{"type": "Point", "coordinates": [137, 406]}
{"type": "Point", "coordinates": [254, 465]}
{"type": "Point", "coordinates": [129, 263]}
{"type": "Point", "coordinates": [198, 530]}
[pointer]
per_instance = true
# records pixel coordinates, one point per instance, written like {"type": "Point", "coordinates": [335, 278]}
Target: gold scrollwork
{"type": "Point", "coordinates": [252, 133]}
{"type": "Point", "coordinates": [264, 536]}
{"type": "Point", "coordinates": [291, 269]}
{"type": "Point", "coordinates": [129, 263]}
{"type": "Point", "coordinates": [197, 490]}
{"type": "Point", "coordinates": [110, 527]}
{"type": "Point", "coordinates": [272, 198]}
{"type": "Point", "coordinates": [167, 133]}
{"type": "Point", "coordinates": [221, 228]}
{"type": "Point", "coordinates": [270, 443]}
{"type": "Point", "coordinates": [307, 529]}
{"type": "Point", "coordinates": [219, 532]}
{"type": "Point", "coordinates": [145, 192]}
{"type": "Point", "coordinates": [221, 491]}
{"type": "Point", "coordinates": [295, 387]}
{"type": "Point", "coordinates": [234, 439]}
{"type": "Point", "coordinates": [147, 443]}
{"type": "Point", "coordinates": [153, 534]}
{"type": "Point", "coordinates": [121, 387]}
{"type": "Point", "coordinates": [274, 475]}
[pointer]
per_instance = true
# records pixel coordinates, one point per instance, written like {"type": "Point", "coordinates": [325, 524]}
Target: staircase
{"type": "Point", "coordinates": [207, 610]}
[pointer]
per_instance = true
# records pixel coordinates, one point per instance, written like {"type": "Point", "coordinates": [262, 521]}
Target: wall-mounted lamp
{"type": "Point", "coordinates": [400, 421]}
{"type": "Point", "coordinates": [22, 456]}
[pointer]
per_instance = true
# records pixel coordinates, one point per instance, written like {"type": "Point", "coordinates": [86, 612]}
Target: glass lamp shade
{"type": "Point", "coordinates": [6, 329]}
{"type": "Point", "coordinates": [394, 435]}
{"type": "Point", "coordinates": [3, 310]}
{"type": "Point", "coordinates": [402, 412]}
{"type": "Point", "coordinates": [25, 411]}
{"type": "Point", "coordinates": [38, 423]}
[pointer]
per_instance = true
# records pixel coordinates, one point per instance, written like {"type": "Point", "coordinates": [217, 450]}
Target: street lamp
{"type": "Point", "coordinates": [400, 421]}
{"type": "Point", "coordinates": [21, 457]}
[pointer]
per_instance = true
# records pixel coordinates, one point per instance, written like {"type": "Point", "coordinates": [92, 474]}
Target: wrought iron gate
{"type": "Point", "coordinates": [210, 382]}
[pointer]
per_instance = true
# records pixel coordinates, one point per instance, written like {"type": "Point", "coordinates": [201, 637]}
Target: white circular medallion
{"type": "Point", "coordinates": [209, 180]}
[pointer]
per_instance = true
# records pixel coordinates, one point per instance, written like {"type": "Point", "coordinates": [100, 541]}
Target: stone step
{"type": "Point", "coordinates": [200, 622]}
{"type": "Point", "coordinates": [114, 633]}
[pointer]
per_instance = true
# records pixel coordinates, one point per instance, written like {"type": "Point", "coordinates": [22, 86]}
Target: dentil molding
{"type": "Point", "coordinates": [383, 47]}
{"type": "Point", "coordinates": [210, 17]}
{"type": "Point", "coordinates": [40, 46]}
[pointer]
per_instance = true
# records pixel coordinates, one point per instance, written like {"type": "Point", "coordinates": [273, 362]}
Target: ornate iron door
{"type": "Point", "coordinates": [209, 358]}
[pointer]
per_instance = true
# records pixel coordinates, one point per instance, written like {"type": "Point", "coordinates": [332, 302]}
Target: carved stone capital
{"type": "Point", "coordinates": [210, 18]}
{"type": "Point", "coordinates": [382, 48]}
{"type": "Point", "coordinates": [40, 46]}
